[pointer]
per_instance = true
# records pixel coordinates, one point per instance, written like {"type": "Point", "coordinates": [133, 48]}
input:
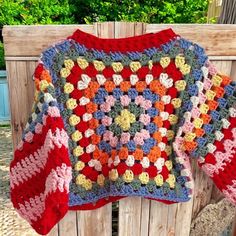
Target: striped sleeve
{"type": "Point", "coordinates": [208, 132]}
{"type": "Point", "coordinates": [40, 171]}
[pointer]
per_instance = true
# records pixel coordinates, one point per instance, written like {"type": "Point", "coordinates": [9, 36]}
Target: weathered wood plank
{"type": "Point", "coordinates": [216, 39]}
{"type": "Point", "coordinates": [105, 30]}
{"type": "Point", "coordinates": [214, 58]}
{"type": "Point", "coordinates": [145, 211]}
{"type": "Point", "coordinates": [28, 40]}
{"type": "Point", "coordinates": [228, 13]}
{"type": "Point", "coordinates": [19, 40]}
{"type": "Point", "coordinates": [96, 222]}
{"type": "Point", "coordinates": [67, 225]}
{"type": "Point", "coordinates": [169, 219]}
{"type": "Point", "coordinates": [214, 10]}
{"type": "Point", "coordinates": [183, 218]}
{"type": "Point", "coordinates": [21, 90]}
{"type": "Point", "coordinates": [233, 71]}
{"type": "Point", "coordinates": [134, 216]}
{"type": "Point", "coordinates": [158, 218]}
{"type": "Point", "coordinates": [23, 58]}
{"type": "Point", "coordinates": [124, 29]}
{"type": "Point", "coordinates": [130, 216]}
{"type": "Point", "coordinates": [223, 67]}
{"type": "Point", "coordinates": [202, 189]}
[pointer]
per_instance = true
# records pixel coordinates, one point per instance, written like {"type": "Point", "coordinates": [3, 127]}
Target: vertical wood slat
{"type": "Point", "coordinates": [202, 189]}
{"type": "Point", "coordinates": [169, 219]}
{"type": "Point", "coordinates": [129, 216]}
{"type": "Point", "coordinates": [158, 218]}
{"type": "Point", "coordinates": [214, 10]}
{"type": "Point", "coordinates": [233, 70]}
{"type": "Point", "coordinates": [96, 222]}
{"type": "Point", "coordinates": [21, 90]}
{"type": "Point", "coordinates": [68, 226]}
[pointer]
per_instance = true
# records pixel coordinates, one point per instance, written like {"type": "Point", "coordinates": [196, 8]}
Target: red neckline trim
{"type": "Point", "coordinates": [124, 44]}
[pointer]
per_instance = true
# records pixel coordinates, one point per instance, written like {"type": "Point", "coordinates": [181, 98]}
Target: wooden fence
{"type": "Point", "coordinates": [214, 10]}
{"type": "Point", "coordinates": [137, 217]}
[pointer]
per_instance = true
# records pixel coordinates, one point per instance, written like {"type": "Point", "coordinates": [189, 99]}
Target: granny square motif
{"type": "Point", "coordinates": [122, 117]}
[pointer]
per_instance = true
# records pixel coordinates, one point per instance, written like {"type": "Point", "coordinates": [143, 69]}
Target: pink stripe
{"type": "Point", "coordinates": [222, 157]}
{"type": "Point", "coordinates": [34, 163]}
{"type": "Point", "coordinates": [53, 112]}
{"type": "Point", "coordinates": [230, 192]}
{"type": "Point", "coordinates": [57, 179]}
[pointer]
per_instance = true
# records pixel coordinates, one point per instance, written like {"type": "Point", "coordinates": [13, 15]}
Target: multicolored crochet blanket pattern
{"type": "Point", "coordinates": [122, 117]}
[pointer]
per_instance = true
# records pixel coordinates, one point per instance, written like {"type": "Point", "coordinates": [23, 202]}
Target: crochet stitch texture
{"type": "Point", "coordinates": [122, 117]}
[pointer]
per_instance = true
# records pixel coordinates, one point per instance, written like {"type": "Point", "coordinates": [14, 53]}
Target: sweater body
{"type": "Point", "coordinates": [114, 118]}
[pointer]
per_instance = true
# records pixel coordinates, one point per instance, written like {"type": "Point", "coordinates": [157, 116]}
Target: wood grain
{"type": "Point", "coordinates": [130, 216]}
{"type": "Point", "coordinates": [216, 39]}
{"type": "Point", "coordinates": [25, 40]}
{"type": "Point", "coordinates": [67, 225]}
{"type": "Point", "coordinates": [21, 91]}
{"type": "Point", "coordinates": [20, 41]}
{"type": "Point", "coordinates": [214, 9]}
{"type": "Point", "coordinates": [96, 222]}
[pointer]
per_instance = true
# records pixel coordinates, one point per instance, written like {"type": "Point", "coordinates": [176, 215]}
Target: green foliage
{"type": "Point", "coordinates": [212, 20]}
{"type": "Point", "coordinates": [28, 12]}
{"type": "Point", "coordinates": [2, 62]}
{"type": "Point", "coordinates": [152, 11]}
{"type": "Point", "coordinates": [13, 12]}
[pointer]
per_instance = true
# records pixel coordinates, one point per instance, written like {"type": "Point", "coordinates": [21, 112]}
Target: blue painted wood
{"type": "Point", "coordinates": [4, 97]}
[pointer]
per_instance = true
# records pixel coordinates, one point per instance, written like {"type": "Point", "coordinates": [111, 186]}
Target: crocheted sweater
{"type": "Point", "coordinates": [122, 117]}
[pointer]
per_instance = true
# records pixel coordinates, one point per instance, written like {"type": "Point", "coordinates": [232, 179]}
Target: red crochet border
{"type": "Point", "coordinates": [124, 44]}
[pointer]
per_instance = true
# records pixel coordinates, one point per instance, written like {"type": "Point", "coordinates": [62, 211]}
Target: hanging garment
{"type": "Point", "coordinates": [122, 117]}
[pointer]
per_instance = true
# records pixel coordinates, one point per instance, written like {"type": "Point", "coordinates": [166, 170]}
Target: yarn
{"type": "Point", "coordinates": [122, 117]}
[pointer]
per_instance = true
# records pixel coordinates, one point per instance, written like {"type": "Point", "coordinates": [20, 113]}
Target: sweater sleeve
{"type": "Point", "coordinates": [208, 130]}
{"type": "Point", "coordinates": [40, 171]}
